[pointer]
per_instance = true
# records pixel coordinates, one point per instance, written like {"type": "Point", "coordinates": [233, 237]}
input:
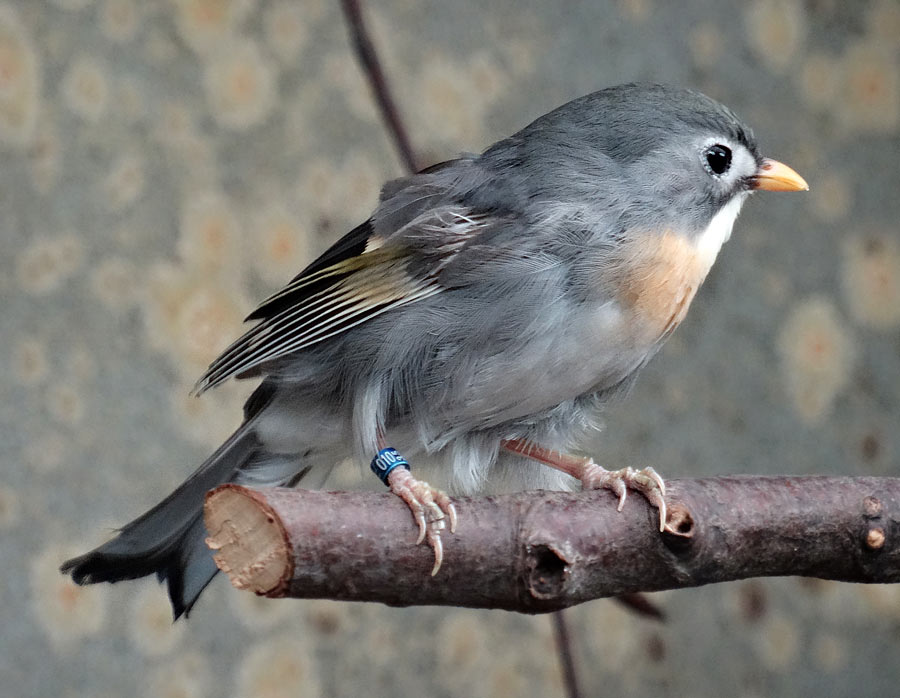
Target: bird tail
{"type": "Point", "coordinates": [169, 540]}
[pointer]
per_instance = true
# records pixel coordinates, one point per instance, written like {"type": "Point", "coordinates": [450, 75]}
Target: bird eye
{"type": "Point", "coordinates": [718, 159]}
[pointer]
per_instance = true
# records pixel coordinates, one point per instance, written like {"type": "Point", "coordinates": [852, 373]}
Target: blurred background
{"type": "Point", "coordinates": [167, 164]}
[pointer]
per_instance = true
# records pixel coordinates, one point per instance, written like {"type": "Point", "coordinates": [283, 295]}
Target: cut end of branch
{"type": "Point", "coordinates": [249, 542]}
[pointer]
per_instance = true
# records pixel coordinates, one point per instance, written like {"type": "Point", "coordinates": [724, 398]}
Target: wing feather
{"type": "Point", "coordinates": [327, 300]}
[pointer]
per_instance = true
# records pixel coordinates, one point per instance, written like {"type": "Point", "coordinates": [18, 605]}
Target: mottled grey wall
{"type": "Point", "coordinates": [165, 164]}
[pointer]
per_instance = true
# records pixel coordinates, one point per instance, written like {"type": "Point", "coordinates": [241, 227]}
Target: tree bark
{"type": "Point", "coordinates": [541, 551]}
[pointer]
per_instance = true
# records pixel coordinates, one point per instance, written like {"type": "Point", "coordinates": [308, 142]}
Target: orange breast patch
{"type": "Point", "coordinates": [659, 276]}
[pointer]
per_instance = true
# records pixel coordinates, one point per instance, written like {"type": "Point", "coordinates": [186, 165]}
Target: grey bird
{"type": "Point", "coordinates": [476, 322]}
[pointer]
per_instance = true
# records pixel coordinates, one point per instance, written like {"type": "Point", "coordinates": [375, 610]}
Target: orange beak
{"type": "Point", "coordinates": [776, 176]}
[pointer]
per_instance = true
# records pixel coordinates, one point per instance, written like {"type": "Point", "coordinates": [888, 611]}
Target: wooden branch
{"type": "Point", "coordinates": [542, 551]}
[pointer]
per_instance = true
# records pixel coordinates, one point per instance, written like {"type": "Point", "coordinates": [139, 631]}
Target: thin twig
{"type": "Point", "coordinates": [640, 604]}
{"type": "Point", "coordinates": [566, 656]}
{"type": "Point", "coordinates": [368, 58]}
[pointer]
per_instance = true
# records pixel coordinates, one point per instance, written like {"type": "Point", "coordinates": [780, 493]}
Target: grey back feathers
{"type": "Point", "coordinates": [571, 166]}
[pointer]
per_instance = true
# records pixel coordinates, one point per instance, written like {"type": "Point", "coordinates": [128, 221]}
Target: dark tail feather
{"type": "Point", "coordinates": [192, 569]}
{"type": "Point", "coordinates": [168, 540]}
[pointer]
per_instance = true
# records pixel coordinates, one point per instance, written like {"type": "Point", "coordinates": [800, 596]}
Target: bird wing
{"type": "Point", "coordinates": [366, 273]}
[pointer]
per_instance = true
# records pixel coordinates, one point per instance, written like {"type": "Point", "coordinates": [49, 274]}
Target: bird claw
{"type": "Point", "coordinates": [645, 481]}
{"type": "Point", "coordinates": [430, 507]}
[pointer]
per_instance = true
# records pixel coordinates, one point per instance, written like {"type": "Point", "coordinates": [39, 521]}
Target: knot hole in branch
{"type": "Point", "coordinates": [679, 524]}
{"type": "Point", "coordinates": [547, 571]}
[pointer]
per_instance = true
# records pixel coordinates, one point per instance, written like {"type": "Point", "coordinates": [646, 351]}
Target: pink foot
{"type": "Point", "coordinates": [645, 481]}
{"type": "Point", "coordinates": [429, 506]}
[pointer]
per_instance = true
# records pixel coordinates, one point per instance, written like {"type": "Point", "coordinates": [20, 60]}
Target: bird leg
{"type": "Point", "coordinates": [429, 505]}
{"type": "Point", "coordinates": [645, 481]}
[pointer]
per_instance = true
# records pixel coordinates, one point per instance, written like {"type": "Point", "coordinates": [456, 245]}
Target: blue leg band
{"type": "Point", "coordinates": [385, 462]}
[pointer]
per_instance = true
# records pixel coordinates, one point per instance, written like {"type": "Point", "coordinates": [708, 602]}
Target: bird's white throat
{"type": "Point", "coordinates": [710, 241]}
